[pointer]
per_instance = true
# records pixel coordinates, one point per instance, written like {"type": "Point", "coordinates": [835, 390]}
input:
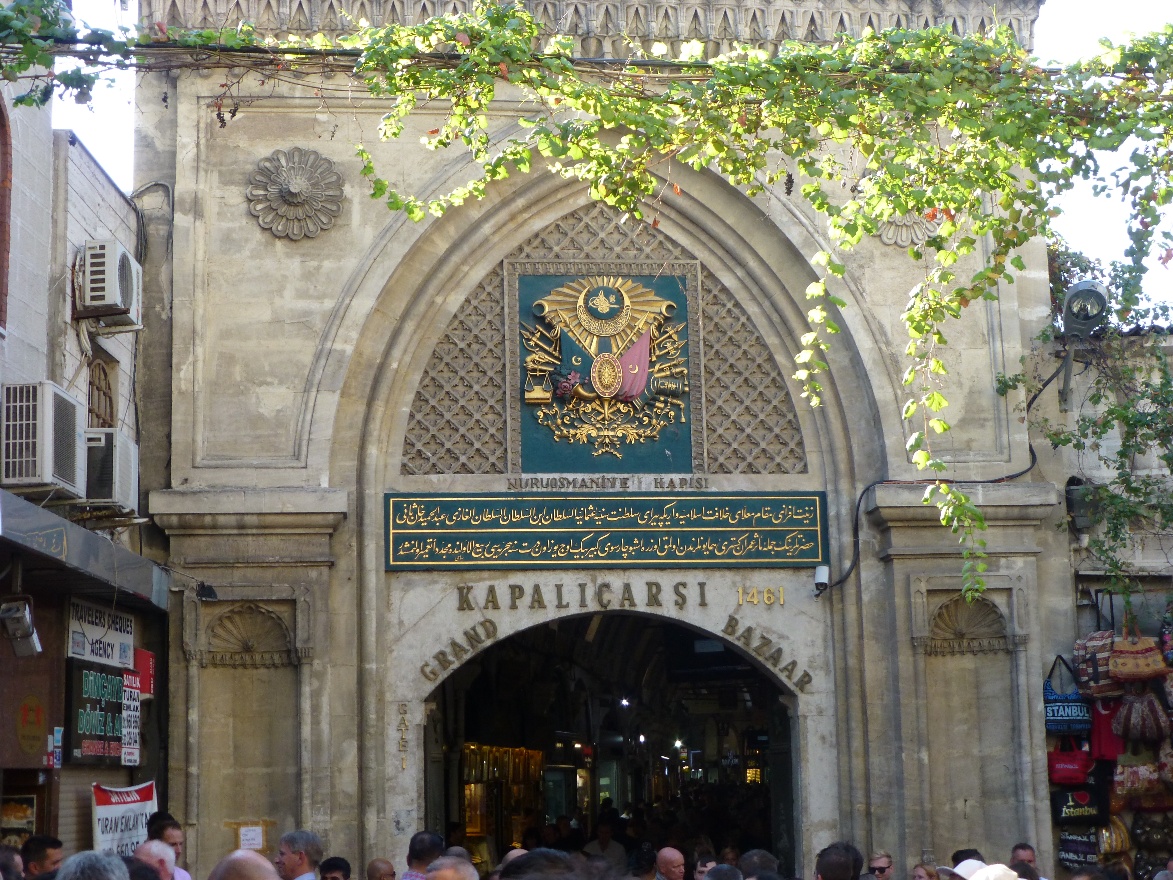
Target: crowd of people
{"type": "Point", "coordinates": [300, 856]}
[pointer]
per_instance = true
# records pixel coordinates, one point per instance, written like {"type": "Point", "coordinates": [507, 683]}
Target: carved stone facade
{"type": "Point", "coordinates": [308, 380]}
{"type": "Point", "coordinates": [608, 29]}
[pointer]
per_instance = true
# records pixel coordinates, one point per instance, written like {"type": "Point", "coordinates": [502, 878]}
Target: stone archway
{"type": "Point", "coordinates": [620, 703]}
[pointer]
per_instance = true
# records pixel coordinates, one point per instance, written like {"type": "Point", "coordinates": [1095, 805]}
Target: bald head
{"type": "Point", "coordinates": [380, 869]}
{"type": "Point", "coordinates": [670, 863]}
{"type": "Point", "coordinates": [244, 864]}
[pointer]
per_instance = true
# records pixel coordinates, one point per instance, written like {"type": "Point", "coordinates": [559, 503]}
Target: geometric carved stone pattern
{"type": "Point", "coordinates": [750, 421]}
{"type": "Point", "coordinates": [607, 28]}
{"type": "Point", "coordinates": [457, 420]}
{"type": "Point", "coordinates": [248, 635]}
{"type": "Point", "coordinates": [961, 627]}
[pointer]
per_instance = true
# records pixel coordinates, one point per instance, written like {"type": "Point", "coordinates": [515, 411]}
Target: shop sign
{"type": "Point", "coordinates": [681, 529]}
{"type": "Point", "coordinates": [100, 635]}
{"type": "Point", "coordinates": [130, 719]}
{"type": "Point", "coordinates": [120, 816]}
{"type": "Point", "coordinates": [31, 725]}
{"type": "Point", "coordinates": [94, 719]}
{"type": "Point", "coordinates": [144, 665]}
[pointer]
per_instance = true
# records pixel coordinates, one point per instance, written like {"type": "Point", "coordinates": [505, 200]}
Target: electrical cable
{"type": "Point", "coordinates": [1034, 459]}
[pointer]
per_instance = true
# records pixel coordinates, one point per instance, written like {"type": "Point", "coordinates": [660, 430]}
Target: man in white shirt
{"type": "Point", "coordinates": [608, 847]}
{"type": "Point", "coordinates": [298, 855]}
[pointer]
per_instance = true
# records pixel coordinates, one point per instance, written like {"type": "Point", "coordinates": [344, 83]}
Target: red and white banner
{"type": "Point", "coordinates": [120, 816]}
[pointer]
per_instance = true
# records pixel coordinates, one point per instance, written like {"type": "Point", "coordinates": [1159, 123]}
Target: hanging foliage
{"type": "Point", "coordinates": [968, 133]}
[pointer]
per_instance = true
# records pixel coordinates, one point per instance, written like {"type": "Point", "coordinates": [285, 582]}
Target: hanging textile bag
{"type": "Point", "coordinates": [1141, 718]}
{"type": "Point", "coordinates": [1092, 655]}
{"type": "Point", "coordinates": [1136, 657]}
{"type": "Point", "coordinates": [1077, 806]}
{"type": "Point", "coordinates": [1067, 765]}
{"type": "Point", "coordinates": [1067, 711]}
{"type": "Point", "coordinates": [1113, 837]}
{"type": "Point", "coordinates": [1078, 849]}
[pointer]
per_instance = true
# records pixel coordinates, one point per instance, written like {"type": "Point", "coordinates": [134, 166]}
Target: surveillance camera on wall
{"type": "Point", "coordinates": [16, 617]}
{"type": "Point", "coordinates": [822, 577]}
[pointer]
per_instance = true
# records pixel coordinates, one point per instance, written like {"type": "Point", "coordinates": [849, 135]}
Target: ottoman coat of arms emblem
{"type": "Point", "coordinates": [606, 365]}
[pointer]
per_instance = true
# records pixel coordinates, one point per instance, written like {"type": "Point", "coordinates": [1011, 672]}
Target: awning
{"type": "Point", "coordinates": [60, 555]}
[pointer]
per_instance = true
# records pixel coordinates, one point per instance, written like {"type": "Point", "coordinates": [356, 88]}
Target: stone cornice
{"type": "Point", "coordinates": [1002, 504]}
{"type": "Point", "coordinates": [607, 28]}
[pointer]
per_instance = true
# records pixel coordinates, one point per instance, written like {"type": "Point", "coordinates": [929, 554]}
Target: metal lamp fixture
{"type": "Point", "coordinates": [1085, 308]}
{"type": "Point", "coordinates": [16, 618]}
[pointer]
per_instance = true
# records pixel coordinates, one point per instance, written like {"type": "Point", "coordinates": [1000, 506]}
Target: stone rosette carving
{"type": "Point", "coordinates": [907, 230]}
{"type": "Point", "coordinates": [295, 193]}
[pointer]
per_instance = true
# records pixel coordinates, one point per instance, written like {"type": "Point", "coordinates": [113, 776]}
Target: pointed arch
{"type": "Point", "coordinates": [812, 30]}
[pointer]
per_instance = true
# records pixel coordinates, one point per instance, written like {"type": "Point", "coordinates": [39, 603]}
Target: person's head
{"type": "Point", "coordinates": [1089, 872]}
{"type": "Point", "coordinates": [11, 864]}
{"type": "Point", "coordinates": [643, 860]}
{"type": "Point", "coordinates": [334, 868]}
{"type": "Point", "coordinates": [41, 854]}
{"type": "Point", "coordinates": [721, 871]}
{"type": "Point", "coordinates": [1022, 852]}
{"type": "Point", "coordinates": [158, 855]}
{"type": "Point", "coordinates": [452, 868]}
{"type": "Point", "coordinates": [703, 864]}
{"type": "Point", "coordinates": [298, 852]}
{"type": "Point", "coordinates": [380, 869]}
{"type": "Point", "coordinates": [423, 849]}
{"type": "Point", "coordinates": [539, 864]}
{"type": "Point", "coordinates": [922, 871]}
{"type": "Point", "coordinates": [458, 852]}
{"type": "Point", "coordinates": [670, 863]}
{"type": "Point", "coordinates": [137, 869]}
{"type": "Point", "coordinates": [963, 870]}
{"type": "Point", "coordinates": [838, 862]}
{"type": "Point", "coordinates": [880, 864]}
{"type": "Point", "coordinates": [729, 856]}
{"type": "Point", "coordinates": [1117, 870]}
{"type": "Point", "coordinates": [90, 865]}
{"type": "Point", "coordinates": [244, 864]}
{"type": "Point", "coordinates": [606, 833]}
{"type": "Point", "coordinates": [965, 855]}
{"type": "Point", "coordinates": [1024, 870]}
{"type": "Point", "coordinates": [757, 862]}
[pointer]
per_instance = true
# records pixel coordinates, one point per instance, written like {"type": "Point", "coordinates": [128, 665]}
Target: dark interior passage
{"type": "Point", "coordinates": [688, 739]}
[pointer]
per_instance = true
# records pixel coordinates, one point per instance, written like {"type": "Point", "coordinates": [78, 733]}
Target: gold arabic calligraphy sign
{"type": "Point", "coordinates": [678, 530]}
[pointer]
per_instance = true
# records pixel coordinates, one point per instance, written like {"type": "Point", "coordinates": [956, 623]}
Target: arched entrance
{"type": "Point", "coordinates": [689, 739]}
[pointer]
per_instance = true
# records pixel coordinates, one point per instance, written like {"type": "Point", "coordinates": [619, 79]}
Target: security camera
{"type": "Point", "coordinates": [16, 617]}
{"type": "Point", "coordinates": [822, 577]}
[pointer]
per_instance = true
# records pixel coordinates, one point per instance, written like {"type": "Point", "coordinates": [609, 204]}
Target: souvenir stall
{"type": "Point", "coordinates": [1110, 759]}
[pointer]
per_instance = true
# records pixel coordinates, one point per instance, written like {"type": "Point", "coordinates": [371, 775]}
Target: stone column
{"type": "Point", "coordinates": [996, 638]}
{"type": "Point", "coordinates": [262, 557]}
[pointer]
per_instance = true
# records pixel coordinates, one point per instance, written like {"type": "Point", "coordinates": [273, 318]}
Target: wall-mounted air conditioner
{"type": "Point", "coordinates": [112, 284]}
{"type": "Point", "coordinates": [42, 439]}
{"type": "Point", "coordinates": [111, 469]}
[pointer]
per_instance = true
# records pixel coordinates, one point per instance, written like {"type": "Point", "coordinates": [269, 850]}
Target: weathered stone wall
{"type": "Point", "coordinates": [310, 376]}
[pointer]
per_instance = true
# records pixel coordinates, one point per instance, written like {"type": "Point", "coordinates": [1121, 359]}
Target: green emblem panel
{"type": "Point", "coordinates": [604, 372]}
{"type": "Point", "coordinates": [573, 530]}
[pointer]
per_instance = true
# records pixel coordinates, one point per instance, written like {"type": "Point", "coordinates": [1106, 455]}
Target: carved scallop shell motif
{"type": "Point", "coordinates": [961, 627]}
{"type": "Point", "coordinates": [249, 635]}
{"type": "Point", "coordinates": [295, 194]}
{"type": "Point", "coordinates": [907, 230]}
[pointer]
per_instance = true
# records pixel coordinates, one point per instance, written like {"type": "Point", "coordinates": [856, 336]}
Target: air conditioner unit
{"type": "Point", "coordinates": [42, 439]}
{"type": "Point", "coordinates": [111, 469]}
{"type": "Point", "coordinates": [112, 285]}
